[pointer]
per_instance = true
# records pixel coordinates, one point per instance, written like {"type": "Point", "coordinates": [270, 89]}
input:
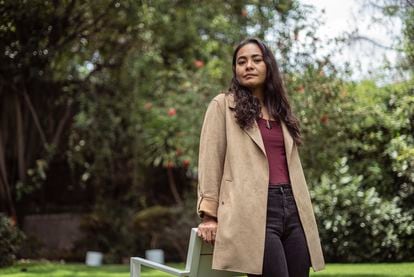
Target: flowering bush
{"type": "Point", "coordinates": [10, 241]}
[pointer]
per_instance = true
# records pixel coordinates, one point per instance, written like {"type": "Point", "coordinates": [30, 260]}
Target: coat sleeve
{"type": "Point", "coordinates": [212, 152]}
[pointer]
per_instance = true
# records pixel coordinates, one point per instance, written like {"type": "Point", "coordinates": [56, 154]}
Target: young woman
{"type": "Point", "coordinates": [252, 194]}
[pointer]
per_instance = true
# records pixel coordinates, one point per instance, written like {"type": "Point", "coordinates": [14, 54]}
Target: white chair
{"type": "Point", "coordinates": [199, 259]}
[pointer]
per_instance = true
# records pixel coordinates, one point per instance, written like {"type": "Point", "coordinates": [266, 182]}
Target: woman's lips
{"type": "Point", "coordinates": [249, 76]}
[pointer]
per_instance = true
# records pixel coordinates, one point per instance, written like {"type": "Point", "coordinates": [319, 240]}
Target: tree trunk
{"type": "Point", "coordinates": [173, 186]}
{"type": "Point", "coordinates": [5, 194]}
{"type": "Point", "coordinates": [35, 118]}
{"type": "Point", "coordinates": [20, 149]}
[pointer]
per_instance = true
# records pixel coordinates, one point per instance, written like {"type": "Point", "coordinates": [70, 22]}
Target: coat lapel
{"type": "Point", "coordinates": [256, 136]}
{"type": "Point", "coordinates": [288, 140]}
{"type": "Point", "coordinates": [253, 132]}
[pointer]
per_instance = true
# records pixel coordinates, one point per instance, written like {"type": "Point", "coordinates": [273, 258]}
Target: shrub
{"type": "Point", "coordinates": [10, 240]}
{"type": "Point", "coordinates": [356, 224]}
{"type": "Point", "coordinates": [107, 229]}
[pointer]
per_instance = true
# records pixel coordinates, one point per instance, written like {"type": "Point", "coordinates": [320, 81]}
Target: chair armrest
{"type": "Point", "coordinates": [161, 267]}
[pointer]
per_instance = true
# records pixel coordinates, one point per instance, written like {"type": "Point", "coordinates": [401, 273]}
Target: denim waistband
{"type": "Point", "coordinates": [280, 188]}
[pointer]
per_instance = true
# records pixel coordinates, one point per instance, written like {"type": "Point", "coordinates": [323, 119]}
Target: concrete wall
{"type": "Point", "coordinates": [53, 234]}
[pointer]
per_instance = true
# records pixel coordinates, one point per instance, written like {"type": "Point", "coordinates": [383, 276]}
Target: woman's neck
{"type": "Point", "coordinates": [259, 94]}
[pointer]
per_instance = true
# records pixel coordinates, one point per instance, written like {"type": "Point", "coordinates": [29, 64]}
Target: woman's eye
{"type": "Point", "coordinates": [241, 62]}
{"type": "Point", "coordinates": [257, 60]}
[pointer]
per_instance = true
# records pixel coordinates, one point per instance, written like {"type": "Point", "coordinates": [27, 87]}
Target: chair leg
{"type": "Point", "coordinates": [135, 269]}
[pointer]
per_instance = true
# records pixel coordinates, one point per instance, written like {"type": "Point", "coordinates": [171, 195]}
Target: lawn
{"type": "Point", "coordinates": [80, 270]}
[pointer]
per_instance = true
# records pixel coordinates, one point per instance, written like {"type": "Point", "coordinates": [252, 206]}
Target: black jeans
{"type": "Point", "coordinates": [286, 253]}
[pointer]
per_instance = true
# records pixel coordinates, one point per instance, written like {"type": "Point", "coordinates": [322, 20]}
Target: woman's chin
{"type": "Point", "coordinates": [249, 85]}
{"type": "Point", "coordinates": [252, 86]}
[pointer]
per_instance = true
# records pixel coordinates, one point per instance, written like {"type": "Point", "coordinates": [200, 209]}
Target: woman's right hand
{"type": "Point", "coordinates": [207, 229]}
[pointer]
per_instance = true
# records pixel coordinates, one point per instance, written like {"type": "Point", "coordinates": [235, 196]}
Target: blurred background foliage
{"type": "Point", "coordinates": [101, 108]}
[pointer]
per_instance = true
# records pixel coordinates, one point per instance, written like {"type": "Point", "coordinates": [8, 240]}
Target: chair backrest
{"type": "Point", "coordinates": [200, 257]}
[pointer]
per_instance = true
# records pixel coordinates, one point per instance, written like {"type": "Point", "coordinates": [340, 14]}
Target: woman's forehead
{"type": "Point", "coordinates": [250, 49]}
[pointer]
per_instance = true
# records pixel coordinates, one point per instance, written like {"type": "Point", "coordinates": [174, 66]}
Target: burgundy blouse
{"type": "Point", "coordinates": [275, 151]}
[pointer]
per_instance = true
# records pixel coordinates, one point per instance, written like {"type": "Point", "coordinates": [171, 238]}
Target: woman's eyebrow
{"type": "Point", "coordinates": [253, 56]}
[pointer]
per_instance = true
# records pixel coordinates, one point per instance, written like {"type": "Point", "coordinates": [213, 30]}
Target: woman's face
{"type": "Point", "coordinates": [250, 66]}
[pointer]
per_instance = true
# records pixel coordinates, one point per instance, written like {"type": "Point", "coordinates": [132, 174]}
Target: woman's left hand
{"type": "Point", "coordinates": [207, 229]}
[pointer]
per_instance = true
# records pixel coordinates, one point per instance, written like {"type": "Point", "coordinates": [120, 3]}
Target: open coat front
{"type": "Point", "coordinates": [233, 182]}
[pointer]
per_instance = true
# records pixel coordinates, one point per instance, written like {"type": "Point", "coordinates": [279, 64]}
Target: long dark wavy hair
{"type": "Point", "coordinates": [248, 108]}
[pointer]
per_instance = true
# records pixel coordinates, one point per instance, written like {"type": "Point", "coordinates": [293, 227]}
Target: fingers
{"type": "Point", "coordinates": [213, 237]}
{"type": "Point", "coordinates": [209, 236]}
{"type": "Point", "coordinates": [207, 232]}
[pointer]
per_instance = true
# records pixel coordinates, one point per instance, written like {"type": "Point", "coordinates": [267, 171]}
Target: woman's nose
{"type": "Point", "coordinates": [249, 64]}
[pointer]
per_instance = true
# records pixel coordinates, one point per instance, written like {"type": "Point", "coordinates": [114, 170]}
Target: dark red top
{"type": "Point", "coordinates": [275, 151]}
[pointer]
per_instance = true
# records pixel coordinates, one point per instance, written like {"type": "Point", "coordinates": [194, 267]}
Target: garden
{"type": "Point", "coordinates": [101, 106]}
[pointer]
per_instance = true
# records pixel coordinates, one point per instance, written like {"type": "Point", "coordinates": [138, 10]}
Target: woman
{"type": "Point", "coordinates": [252, 194]}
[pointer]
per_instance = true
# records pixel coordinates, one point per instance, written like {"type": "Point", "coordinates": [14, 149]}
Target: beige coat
{"type": "Point", "coordinates": [233, 182]}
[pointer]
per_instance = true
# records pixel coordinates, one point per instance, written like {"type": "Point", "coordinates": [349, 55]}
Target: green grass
{"type": "Point", "coordinates": [37, 269]}
{"type": "Point", "coordinates": [63, 270]}
{"type": "Point", "coordinates": [367, 270]}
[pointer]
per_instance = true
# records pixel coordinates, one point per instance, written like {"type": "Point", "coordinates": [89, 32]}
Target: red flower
{"type": "Point", "coordinates": [198, 63]}
{"type": "Point", "coordinates": [170, 164]}
{"type": "Point", "coordinates": [148, 106]}
{"type": "Point", "coordinates": [300, 89]}
{"type": "Point", "coordinates": [186, 163]}
{"type": "Point", "coordinates": [172, 111]}
{"type": "Point", "coordinates": [324, 119]}
{"type": "Point", "coordinates": [244, 13]}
